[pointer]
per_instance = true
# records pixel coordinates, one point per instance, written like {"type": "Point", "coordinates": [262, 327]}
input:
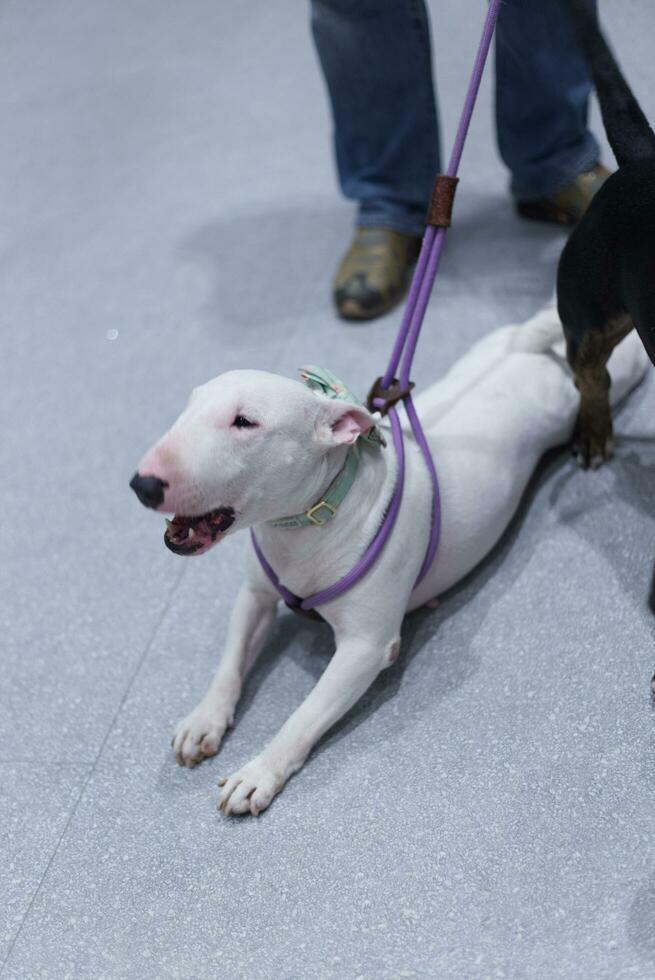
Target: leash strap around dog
{"type": "Point", "coordinates": [389, 389]}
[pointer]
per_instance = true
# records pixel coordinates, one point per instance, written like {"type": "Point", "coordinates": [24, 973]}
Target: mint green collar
{"type": "Point", "coordinates": [326, 508]}
{"type": "Point", "coordinates": [321, 380]}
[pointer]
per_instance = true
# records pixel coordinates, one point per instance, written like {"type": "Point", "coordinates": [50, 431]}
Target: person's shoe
{"type": "Point", "coordinates": [567, 205]}
{"type": "Point", "coordinates": [372, 275]}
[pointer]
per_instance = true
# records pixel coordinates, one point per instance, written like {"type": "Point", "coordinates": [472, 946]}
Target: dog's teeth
{"type": "Point", "coordinates": [190, 533]}
{"type": "Point", "coordinates": [169, 524]}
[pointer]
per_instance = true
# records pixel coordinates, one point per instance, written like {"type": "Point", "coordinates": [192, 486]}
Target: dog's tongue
{"type": "Point", "coordinates": [194, 535]}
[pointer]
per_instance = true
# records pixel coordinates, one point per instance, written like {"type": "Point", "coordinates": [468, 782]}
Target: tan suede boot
{"type": "Point", "coordinates": [373, 274]}
{"type": "Point", "coordinates": [567, 205]}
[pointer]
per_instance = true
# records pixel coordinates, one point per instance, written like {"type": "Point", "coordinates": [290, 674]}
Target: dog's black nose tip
{"type": "Point", "coordinates": [149, 489]}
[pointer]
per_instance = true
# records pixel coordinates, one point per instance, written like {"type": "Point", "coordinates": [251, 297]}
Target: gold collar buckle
{"type": "Point", "coordinates": [312, 513]}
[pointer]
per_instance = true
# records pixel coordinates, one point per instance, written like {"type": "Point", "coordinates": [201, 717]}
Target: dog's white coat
{"type": "Point", "coordinates": [488, 422]}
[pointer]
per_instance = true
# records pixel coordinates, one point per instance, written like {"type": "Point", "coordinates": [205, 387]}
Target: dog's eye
{"type": "Point", "coordinates": [241, 422]}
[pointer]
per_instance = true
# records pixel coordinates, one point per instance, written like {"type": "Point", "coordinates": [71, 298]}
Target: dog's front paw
{"type": "Point", "coordinates": [593, 443]}
{"type": "Point", "coordinates": [200, 734]}
{"type": "Point", "coordinates": [251, 789]}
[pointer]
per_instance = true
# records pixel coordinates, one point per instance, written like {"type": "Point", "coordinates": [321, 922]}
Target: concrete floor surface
{"type": "Point", "coordinates": [170, 211]}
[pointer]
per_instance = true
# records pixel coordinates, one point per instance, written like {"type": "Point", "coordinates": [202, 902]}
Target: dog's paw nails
{"type": "Point", "coordinates": [210, 743]}
{"type": "Point", "coordinates": [592, 451]}
{"type": "Point", "coordinates": [224, 800]}
{"type": "Point", "coordinates": [582, 458]}
{"type": "Point", "coordinates": [250, 790]}
{"type": "Point", "coordinates": [601, 456]}
{"type": "Point", "coordinates": [199, 736]}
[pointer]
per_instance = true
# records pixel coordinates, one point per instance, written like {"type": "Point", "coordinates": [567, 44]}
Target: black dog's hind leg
{"type": "Point", "coordinates": [588, 357]}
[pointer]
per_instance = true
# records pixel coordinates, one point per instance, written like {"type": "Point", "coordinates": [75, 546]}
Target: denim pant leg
{"type": "Point", "coordinates": [375, 56]}
{"type": "Point", "coordinates": [542, 94]}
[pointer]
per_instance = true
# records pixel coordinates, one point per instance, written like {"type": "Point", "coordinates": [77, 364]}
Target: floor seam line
{"type": "Point", "coordinates": [47, 763]}
{"type": "Point", "coordinates": [94, 764]}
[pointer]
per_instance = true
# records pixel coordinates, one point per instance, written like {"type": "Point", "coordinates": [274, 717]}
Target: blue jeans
{"type": "Point", "coordinates": [376, 58]}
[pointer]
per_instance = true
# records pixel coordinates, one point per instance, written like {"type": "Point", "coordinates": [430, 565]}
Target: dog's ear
{"type": "Point", "coordinates": [341, 423]}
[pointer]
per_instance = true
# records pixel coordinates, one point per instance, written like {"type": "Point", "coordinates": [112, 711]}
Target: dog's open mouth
{"type": "Point", "coordinates": [194, 535]}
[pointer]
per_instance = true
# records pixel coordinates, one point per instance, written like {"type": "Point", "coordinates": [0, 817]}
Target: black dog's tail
{"type": "Point", "coordinates": [627, 128]}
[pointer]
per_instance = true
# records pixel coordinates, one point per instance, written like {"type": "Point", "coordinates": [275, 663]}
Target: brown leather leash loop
{"type": "Point", "coordinates": [440, 208]}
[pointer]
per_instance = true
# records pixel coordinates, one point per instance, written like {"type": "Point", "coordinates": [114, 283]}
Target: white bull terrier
{"type": "Point", "coordinates": [251, 448]}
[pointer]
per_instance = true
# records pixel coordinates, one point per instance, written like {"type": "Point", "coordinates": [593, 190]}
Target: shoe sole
{"type": "Point", "coordinates": [546, 213]}
{"type": "Point", "coordinates": [350, 310]}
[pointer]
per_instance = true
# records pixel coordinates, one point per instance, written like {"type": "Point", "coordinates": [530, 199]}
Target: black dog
{"type": "Point", "coordinates": [606, 274]}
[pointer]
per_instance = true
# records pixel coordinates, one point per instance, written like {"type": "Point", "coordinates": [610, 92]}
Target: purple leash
{"type": "Point", "coordinates": [388, 390]}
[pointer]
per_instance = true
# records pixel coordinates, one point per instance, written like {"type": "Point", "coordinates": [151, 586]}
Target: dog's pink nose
{"type": "Point", "coordinates": [149, 490]}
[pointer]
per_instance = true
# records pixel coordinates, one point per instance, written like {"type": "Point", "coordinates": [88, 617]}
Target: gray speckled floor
{"type": "Point", "coordinates": [487, 810]}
